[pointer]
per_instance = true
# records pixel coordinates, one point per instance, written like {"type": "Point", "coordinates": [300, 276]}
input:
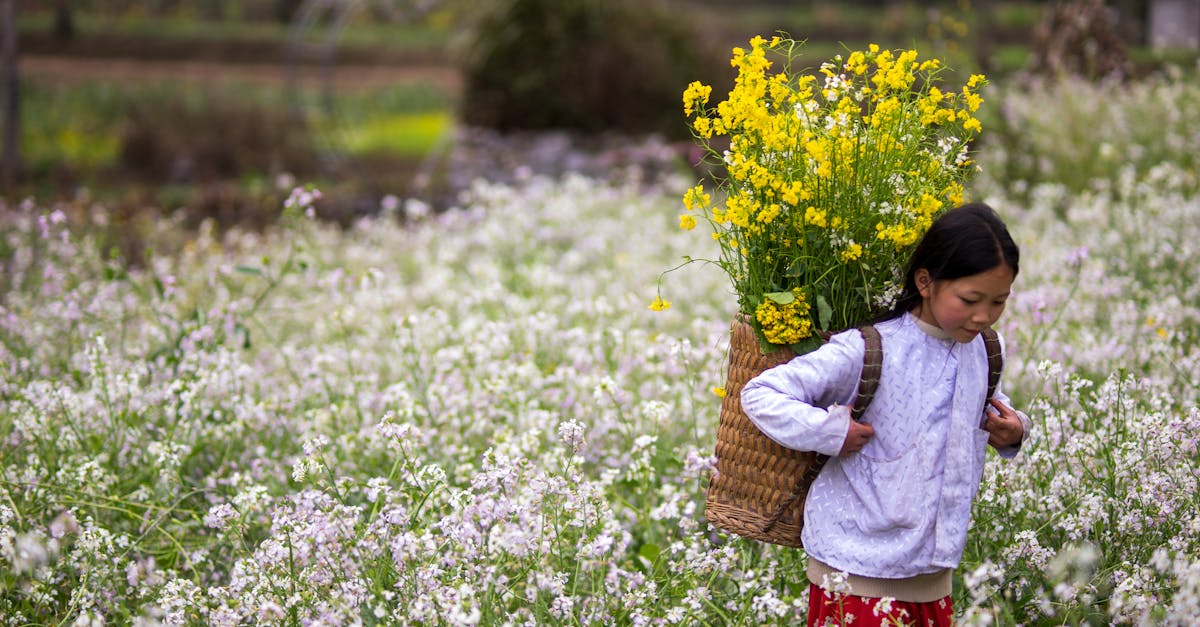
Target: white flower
{"type": "Point", "coordinates": [571, 433]}
{"type": "Point", "coordinates": [836, 584]}
{"type": "Point", "coordinates": [218, 516]}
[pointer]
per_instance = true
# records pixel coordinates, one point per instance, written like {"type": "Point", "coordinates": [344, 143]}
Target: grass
{"type": "Point", "coordinates": [73, 132]}
{"type": "Point", "coordinates": [406, 134]}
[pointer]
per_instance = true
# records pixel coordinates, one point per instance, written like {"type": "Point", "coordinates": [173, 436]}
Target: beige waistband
{"type": "Point", "coordinates": [919, 589]}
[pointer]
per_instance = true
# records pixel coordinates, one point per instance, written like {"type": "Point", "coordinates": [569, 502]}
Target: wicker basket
{"type": "Point", "coordinates": [751, 493]}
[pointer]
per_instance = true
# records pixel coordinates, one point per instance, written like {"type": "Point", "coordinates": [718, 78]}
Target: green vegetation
{"type": "Point", "coordinates": [432, 31]}
{"type": "Point", "coordinates": [155, 142]}
{"type": "Point", "coordinates": [76, 131]}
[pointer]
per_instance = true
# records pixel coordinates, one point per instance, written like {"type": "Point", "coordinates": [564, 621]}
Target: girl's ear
{"type": "Point", "coordinates": [924, 282]}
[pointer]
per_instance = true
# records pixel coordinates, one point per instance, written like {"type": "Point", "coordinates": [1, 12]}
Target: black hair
{"type": "Point", "coordinates": [962, 242]}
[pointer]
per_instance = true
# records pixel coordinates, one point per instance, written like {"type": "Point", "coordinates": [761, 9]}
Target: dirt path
{"type": "Point", "coordinates": [75, 69]}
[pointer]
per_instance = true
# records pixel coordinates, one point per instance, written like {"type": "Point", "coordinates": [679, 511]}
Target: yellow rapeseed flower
{"type": "Point", "coordinates": [696, 198]}
{"type": "Point", "coordinates": [767, 213]}
{"type": "Point", "coordinates": [785, 323]}
{"type": "Point", "coordinates": [659, 304]}
{"type": "Point", "coordinates": [815, 217]}
{"type": "Point", "coordinates": [695, 95]}
{"type": "Point", "coordinates": [851, 253]}
{"type": "Point", "coordinates": [827, 172]}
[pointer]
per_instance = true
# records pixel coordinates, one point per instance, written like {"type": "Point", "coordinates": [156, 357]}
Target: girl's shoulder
{"type": "Point", "coordinates": [852, 339]}
{"type": "Point", "coordinates": [893, 325]}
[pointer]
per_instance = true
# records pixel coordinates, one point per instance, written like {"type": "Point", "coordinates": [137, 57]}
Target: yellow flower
{"type": "Point", "coordinates": [900, 235]}
{"type": "Point", "coordinates": [837, 172]}
{"type": "Point", "coordinates": [815, 217]}
{"type": "Point", "coordinates": [928, 205]}
{"type": "Point", "coordinates": [696, 94]}
{"type": "Point", "coordinates": [857, 62]}
{"type": "Point", "coordinates": [767, 214]}
{"type": "Point", "coordinates": [785, 323]}
{"type": "Point", "coordinates": [695, 198]}
{"type": "Point", "coordinates": [973, 101]}
{"type": "Point", "coordinates": [659, 304]}
{"type": "Point", "coordinates": [954, 194]}
{"type": "Point", "coordinates": [718, 391]}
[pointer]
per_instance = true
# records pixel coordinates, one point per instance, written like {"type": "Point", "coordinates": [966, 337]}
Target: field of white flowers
{"type": "Point", "coordinates": [474, 418]}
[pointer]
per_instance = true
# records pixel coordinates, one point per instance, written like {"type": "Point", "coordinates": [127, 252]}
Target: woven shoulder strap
{"type": "Point", "coordinates": [868, 381]}
{"type": "Point", "coordinates": [872, 368]}
{"type": "Point", "coordinates": [995, 357]}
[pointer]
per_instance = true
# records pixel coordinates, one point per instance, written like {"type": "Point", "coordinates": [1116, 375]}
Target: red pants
{"type": "Point", "coordinates": [825, 609]}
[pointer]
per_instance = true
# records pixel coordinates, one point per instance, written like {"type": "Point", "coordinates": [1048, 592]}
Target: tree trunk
{"type": "Point", "coordinates": [64, 21]}
{"type": "Point", "coordinates": [1131, 21]}
{"type": "Point", "coordinates": [10, 161]}
{"type": "Point", "coordinates": [984, 33]}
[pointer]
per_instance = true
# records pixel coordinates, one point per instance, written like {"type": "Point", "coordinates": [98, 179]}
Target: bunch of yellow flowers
{"type": "Point", "coordinates": [833, 176]}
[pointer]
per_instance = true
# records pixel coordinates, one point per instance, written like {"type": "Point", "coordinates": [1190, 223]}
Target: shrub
{"type": "Point", "coordinates": [586, 65]}
{"type": "Point", "coordinates": [176, 139]}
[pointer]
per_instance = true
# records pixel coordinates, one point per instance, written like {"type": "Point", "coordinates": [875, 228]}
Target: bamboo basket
{"type": "Point", "coordinates": [759, 488]}
{"type": "Point", "coordinates": [751, 491]}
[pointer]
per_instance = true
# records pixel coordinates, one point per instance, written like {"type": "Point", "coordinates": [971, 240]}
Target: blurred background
{"type": "Point", "coordinates": [217, 108]}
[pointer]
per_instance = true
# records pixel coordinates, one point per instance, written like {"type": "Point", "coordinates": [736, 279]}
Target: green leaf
{"type": "Point", "coordinates": [249, 270]}
{"type": "Point", "coordinates": [649, 551]}
{"type": "Point", "coordinates": [783, 298]}
{"type": "Point", "coordinates": [807, 345]}
{"type": "Point", "coordinates": [795, 269]}
{"type": "Point", "coordinates": [244, 332]}
{"type": "Point", "coordinates": [824, 312]}
{"type": "Point", "coordinates": [646, 557]}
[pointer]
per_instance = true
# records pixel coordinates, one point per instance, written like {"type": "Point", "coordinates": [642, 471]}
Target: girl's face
{"type": "Point", "coordinates": [963, 307]}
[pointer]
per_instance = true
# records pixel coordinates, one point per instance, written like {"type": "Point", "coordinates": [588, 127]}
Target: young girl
{"type": "Point", "coordinates": [886, 520]}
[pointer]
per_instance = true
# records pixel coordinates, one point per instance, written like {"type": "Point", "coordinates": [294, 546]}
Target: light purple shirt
{"type": "Point", "coordinates": [901, 506]}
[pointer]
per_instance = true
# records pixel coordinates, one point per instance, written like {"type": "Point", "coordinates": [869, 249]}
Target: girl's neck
{"type": "Point", "coordinates": [931, 330]}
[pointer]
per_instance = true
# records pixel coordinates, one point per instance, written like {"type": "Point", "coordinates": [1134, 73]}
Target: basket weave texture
{"type": "Point", "coordinates": [755, 477]}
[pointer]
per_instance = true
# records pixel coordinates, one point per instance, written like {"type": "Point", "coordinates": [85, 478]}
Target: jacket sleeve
{"type": "Point", "coordinates": [803, 404]}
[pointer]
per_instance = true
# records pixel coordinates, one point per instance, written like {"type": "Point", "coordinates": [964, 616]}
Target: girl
{"type": "Point", "coordinates": [886, 520]}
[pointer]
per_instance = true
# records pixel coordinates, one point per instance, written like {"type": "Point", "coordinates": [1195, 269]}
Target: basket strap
{"type": "Point", "coordinates": [868, 381]}
{"type": "Point", "coordinates": [995, 357]}
{"type": "Point", "coordinates": [806, 479]}
{"type": "Point", "coordinates": [872, 368]}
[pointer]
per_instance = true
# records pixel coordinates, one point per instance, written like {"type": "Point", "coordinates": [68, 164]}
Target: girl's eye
{"type": "Point", "coordinates": [968, 300]}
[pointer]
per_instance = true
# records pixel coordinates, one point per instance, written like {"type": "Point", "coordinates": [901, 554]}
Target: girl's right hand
{"type": "Point", "coordinates": [857, 437]}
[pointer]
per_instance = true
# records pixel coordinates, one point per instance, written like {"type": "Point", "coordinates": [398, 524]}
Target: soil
{"type": "Point", "coordinates": [59, 68]}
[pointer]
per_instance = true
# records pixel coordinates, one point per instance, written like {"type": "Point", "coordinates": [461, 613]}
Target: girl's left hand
{"type": "Point", "coordinates": [1003, 425]}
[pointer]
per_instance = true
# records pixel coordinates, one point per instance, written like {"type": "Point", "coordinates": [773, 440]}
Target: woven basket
{"type": "Point", "coordinates": [753, 493]}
